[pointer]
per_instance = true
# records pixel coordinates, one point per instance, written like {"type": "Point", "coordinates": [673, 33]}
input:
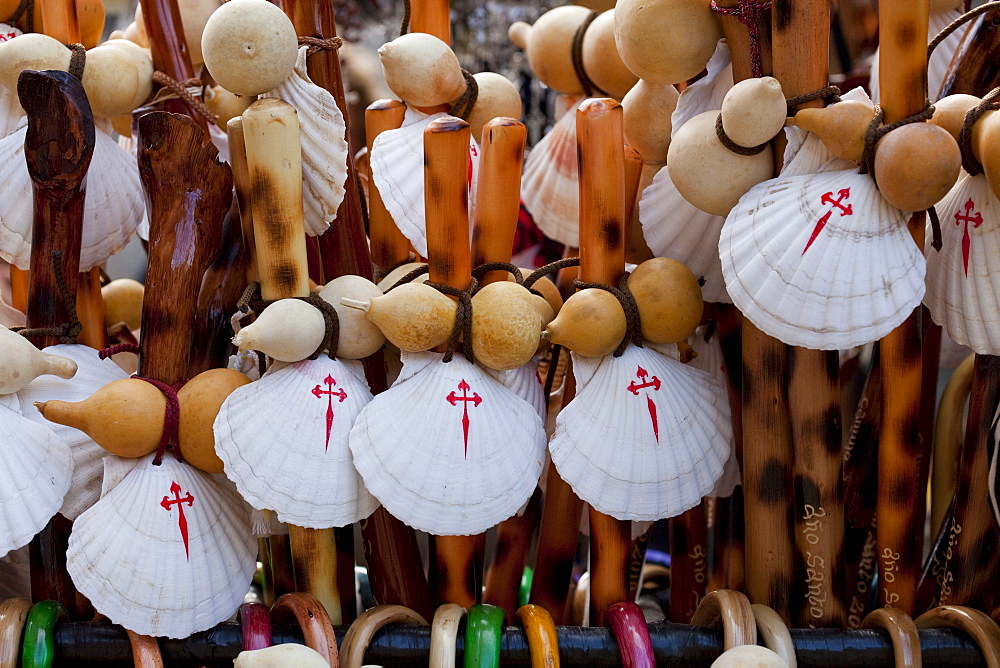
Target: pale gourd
{"type": "Point", "coordinates": [393, 276]}
{"type": "Point", "coordinates": [194, 17]}
{"type": "Point", "coordinates": [225, 104]}
{"type": "Point", "coordinates": [289, 330]}
{"type": "Point", "coordinates": [706, 173]}
{"type": "Point", "coordinates": [666, 41]}
{"type": "Point", "coordinates": [647, 109]}
{"type": "Point", "coordinates": [281, 656]}
{"type": "Point", "coordinates": [21, 362]}
{"type": "Point", "coordinates": [547, 288]}
{"type": "Point", "coordinates": [123, 302]}
{"type": "Point", "coordinates": [200, 400]}
{"type": "Point", "coordinates": [144, 68]}
{"type": "Point", "coordinates": [506, 327]}
{"type": "Point", "coordinates": [601, 61]}
{"type": "Point", "coordinates": [841, 126]}
{"type": "Point", "coordinates": [985, 139]}
{"type": "Point", "coordinates": [134, 33]}
{"type": "Point", "coordinates": [249, 46]}
{"type": "Point", "coordinates": [497, 97]}
{"type": "Point", "coordinates": [111, 80]}
{"type": "Point", "coordinates": [125, 417]}
{"type": "Point", "coordinates": [916, 165]}
{"type": "Point", "coordinates": [549, 46]}
{"type": "Point", "coordinates": [413, 317]}
{"type": "Point", "coordinates": [422, 70]}
{"type": "Point", "coordinates": [669, 299]}
{"type": "Point", "coordinates": [31, 51]}
{"type": "Point", "coordinates": [749, 656]}
{"type": "Point", "coordinates": [359, 337]}
{"type": "Point", "coordinates": [950, 111]}
{"type": "Point", "coordinates": [591, 323]}
{"type": "Point", "coordinates": [754, 111]}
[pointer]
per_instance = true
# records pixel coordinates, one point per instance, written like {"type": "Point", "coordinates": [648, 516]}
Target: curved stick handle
{"type": "Point", "coordinates": [389, 247]}
{"type": "Point", "coordinates": [444, 632]}
{"type": "Point", "coordinates": [730, 611]}
{"type": "Point", "coordinates": [255, 622]}
{"type": "Point", "coordinates": [315, 623]}
{"type": "Point", "coordinates": [145, 651]}
{"type": "Point", "coordinates": [543, 643]}
{"type": "Point", "coordinates": [949, 430]}
{"type": "Point", "coordinates": [774, 632]}
{"type": "Point", "coordinates": [360, 634]}
{"type": "Point", "coordinates": [902, 632]}
{"type": "Point", "coordinates": [632, 635]}
{"type": "Point", "coordinates": [39, 646]}
{"type": "Point", "coordinates": [13, 615]}
{"type": "Point", "coordinates": [482, 636]}
{"type": "Point", "coordinates": [978, 625]}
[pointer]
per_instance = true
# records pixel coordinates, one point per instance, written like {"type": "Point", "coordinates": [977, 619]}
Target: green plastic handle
{"type": "Point", "coordinates": [39, 648]}
{"type": "Point", "coordinates": [482, 636]}
{"type": "Point", "coordinates": [524, 595]}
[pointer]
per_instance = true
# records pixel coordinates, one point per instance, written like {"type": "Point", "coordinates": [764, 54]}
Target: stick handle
{"type": "Point", "coordinates": [600, 150]}
{"type": "Point", "coordinates": [241, 182]}
{"type": "Point", "coordinates": [57, 19]}
{"type": "Point", "coordinates": [168, 48]}
{"type": "Point", "coordinates": [446, 201]}
{"type": "Point", "coordinates": [433, 17]}
{"type": "Point", "coordinates": [389, 248]}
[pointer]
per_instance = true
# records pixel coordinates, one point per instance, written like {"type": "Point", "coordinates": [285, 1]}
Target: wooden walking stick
{"type": "Point", "coordinates": [58, 147]}
{"type": "Point", "coordinates": [688, 563]}
{"type": "Point", "coordinates": [431, 16]}
{"type": "Point", "coordinates": [389, 247]}
{"type": "Point", "coordinates": [168, 49]}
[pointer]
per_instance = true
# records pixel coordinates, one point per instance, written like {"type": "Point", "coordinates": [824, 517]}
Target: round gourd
{"type": "Point", "coordinates": [601, 61]}
{"type": "Point", "coordinates": [549, 46]}
{"type": "Point", "coordinates": [497, 97]}
{"type": "Point", "coordinates": [359, 337]}
{"type": "Point", "coordinates": [506, 327]}
{"type": "Point", "coordinates": [950, 111]}
{"type": "Point", "coordinates": [647, 109]}
{"type": "Point", "coordinates": [226, 105]}
{"type": "Point", "coordinates": [31, 51]}
{"type": "Point", "coordinates": [123, 302]}
{"type": "Point", "coordinates": [144, 68]}
{"type": "Point", "coordinates": [985, 138]}
{"type": "Point", "coordinates": [200, 400]}
{"type": "Point", "coordinates": [754, 111]}
{"type": "Point", "coordinates": [422, 70]}
{"type": "Point", "coordinates": [289, 330]}
{"type": "Point", "coordinates": [916, 165]}
{"type": "Point", "coordinates": [249, 46]}
{"type": "Point", "coordinates": [666, 41]}
{"type": "Point", "coordinates": [669, 299]}
{"type": "Point", "coordinates": [111, 80]}
{"type": "Point", "coordinates": [591, 323]}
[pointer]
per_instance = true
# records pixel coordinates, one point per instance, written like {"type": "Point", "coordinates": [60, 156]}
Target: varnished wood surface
{"type": "Point", "coordinates": [169, 50]}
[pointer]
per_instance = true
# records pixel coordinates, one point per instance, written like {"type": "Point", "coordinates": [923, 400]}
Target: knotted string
{"type": "Point", "coordinates": [69, 331]}
{"type": "Point", "coordinates": [589, 87]}
{"type": "Point", "coordinates": [876, 131]}
{"type": "Point", "coordinates": [633, 323]}
{"type": "Point", "coordinates": [320, 43]}
{"type": "Point", "coordinates": [487, 267]}
{"type": "Point", "coordinates": [463, 105]}
{"type": "Point", "coordinates": [958, 23]}
{"type": "Point", "coordinates": [180, 89]}
{"type": "Point", "coordinates": [26, 8]}
{"type": "Point", "coordinates": [746, 13]}
{"type": "Point", "coordinates": [78, 60]}
{"type": "Point", "coordinates": [331, 322]}
{"type": "Point", "coordinates": [409, 277]}
{"type": "Point", "coordinates": [831, 94]}
{"type": "Point", "coordinates": [989, 103]}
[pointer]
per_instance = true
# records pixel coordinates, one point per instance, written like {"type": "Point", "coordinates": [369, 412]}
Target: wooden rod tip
{"type": "Point", "coordinates": [596, 107]}
{"type": "Point", "coordinates": [384, 105]}
{"type": "Point", "coordinates": [446, 124]}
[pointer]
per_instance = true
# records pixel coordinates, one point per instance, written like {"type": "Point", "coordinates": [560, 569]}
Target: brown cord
{"type": "Point", "coordinates": [589, 87]}
{"type": "Point", "coordinates": [463, 105]}
{"type": "Point", "coordinates": [876, 131]}
{"type": "Point", "coordinates": [180, 89]}
{"type": "Point", "coordinates": [405, 28]}
{"type": "Point", "coordinates": [26, 8]}
{"type": "Point", "coordinates": [633, 323]}
{"type": "Point", "coordinates": [830, 93]}
{"type": "Point", "coordinates": [78, 60]}
{"type": "Point", "coordinates": [69, 331]}
{"type": "Point", "coordinates": [320, 43]}
{"type": "Point", "coordinates": [409, 277]}
{"type": "Point", "coordinates": [487, 267]}
{"type": "Point", "coordinates": [720, 132]}
{"type": "Point", "coordinates": [958, 23]}
{"type": "Point", "coordinates": [936, 240]}
{"type": "Point", "coordinates": [989, 103]}
{"type": "Point", "coordinates": [331, 338]}
{"type": "Point", "coordinates": [745, 13]}
{"type": "Point", "coordinates": [463, 319]}
{"type": "Point", "coordinates": [550, 268]}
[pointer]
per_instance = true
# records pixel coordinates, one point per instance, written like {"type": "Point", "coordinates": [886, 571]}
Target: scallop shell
{"type": "Point", "coordinates": [34, 477]}
{"type": "Point", "coordinates": [10, 316]}
{"type": "Point", "coordinates": [397, 163]}
{"type": "Point", "coordinates": [92, 374]}
{"type": "Point", "coordinates": [550, 184]}
{"type": "Point", "coordinates": [937, 66]}
{"type": "Point", "coordinates": [324, 145]}
{"type": "Point", "coordinates": [167, 552]}
{"type": "Point", "coordinates": [284, 441]}
{"type": "Point", "coordinates": [711, 361]}
{"type": "Point", "coordinates": [952, 353]}
{"type": "Point", "coordinates": [961, 294]}
{"type": "Point", "coordinates": [525, 382]}
{"type": "Point", "coordinates": [114, 204]}
{"type": "Point", "coordinates": [673, 227]}
{"type": "Point", "coordinates": [11, 112]}
{"type": "Point", "coordinates": [645, 437]}
{"type": "Point", "coordinates": [447, 449]}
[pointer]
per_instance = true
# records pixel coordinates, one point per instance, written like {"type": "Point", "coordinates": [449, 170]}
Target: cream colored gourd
{"type": "Point", "coordinates": [841, 126]}
{"type": "Point", "coordinates": [497, 97]}
{"type": "Point", "coordinates": [31, 51]}
{"type": "Point", "coordinates": [754, 111]}
{"type": "Point", "coordinates": [647, 109]}
{"type": "Point", "coordinates": [359, 337]}
{"type": "Point", "coordinates": [125, 417]}
{"type": "Point", "coordinates": [985, 139]}
{"type": "Point", "coordinates": [749, 656]}
{"type": "Point", "coordinates": [916, 165]}
{"type": "Point", "coordinates": [200, 400]}
{"type": "Point", "coordinates": [393, 276]}
{"type": "Point", "coordinates": [123, 302]}
{"type": "Point", "coordinates": [422, 70]}
{"type": "Point", "coordinates": [21, 362]}
{"type": "Point", "coordinates": [144, 68]}
{"type": "Point", "coordinates": [134, 33]}
{"type": "Point", "coordinates": [950, 111]}
{"type": "Point", "coordinates": [706, 173]}
{"type": "Point", "coordinates": [506, 326]}
{"type": "Point", "coordinates": [195, 14]}
{"type": "Point", "coordinates": [225, 104]}
{"type": "Point", "coordinates": [601, 61]}
{"type": "Point", "coordinates": [281, 656]}
{"type": "Point", "coordinates": [547, 288]}
{"type": "Point", "coordinates": [289, 330]}
{"type": "Point", "coordinates": [669, 299]}
{"type": "Point", "coordinates": [666, 41]}
{"type": "Point", "coordinates": [111, 80]}
{"type": "Point", "coordinates": [591, 323]}
{"type": "Point", "coordinates": [549, 46]}
{"type": "Point", "coordinates": [249, 46]}
{"type": "Point", "coordinates": [413, 317]}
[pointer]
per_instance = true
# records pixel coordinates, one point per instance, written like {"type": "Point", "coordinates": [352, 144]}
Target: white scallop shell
{"type": "Point", "coordinates": [397, 163]}
{"type": "Point", "coordinates": [525, 383]}
{"type": "Point", "coordinates": [550, 183]}
{"type": "Point", "coordinates": [961, 291]}
{"type": "Point", "coordinates": [92, 373]}
{"type": "Point", "coordinates": [10, 316]}
{"type": "Point", "coordinates": [672, 226]}
{"type": "Point", "coordinates": [284, 441]}
{"type": "Point", "coordinates": [11, 112]}
{"type": "Point", "coordinates": [645, 437]}
{"type": "Point", "coordinates": [937, 66]}
{"type": "Point", "coordinates": [161, 567]}
{"type": "Point", "coordinates": [711, 361]}
{"type": "Point", "coordinates": [34, 476]}
{"type": "Point", "coordinates": [447, 449]}
{"type": "Point", "coordinates": [113, 208]}
{"type": "Point", "coordinates": [324, 145]}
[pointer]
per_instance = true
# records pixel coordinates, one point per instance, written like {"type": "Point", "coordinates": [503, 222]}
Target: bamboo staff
{"type": "Point", "coordinates": [241, 184]}
{"type": "Point", "coordinates": [168, 47]}
{"type": "Point", "coordinates": [433, 17]}
{"type": "Point", "coordinates": [389, 247]}
{"type": "Point", "coordinates": [903, 83]}
{"type": "Point", "coordinates": [58, 147]}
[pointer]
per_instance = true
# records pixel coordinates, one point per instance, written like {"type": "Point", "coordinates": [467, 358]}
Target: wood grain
{"type": "Point", "coordinates": [169, 50]}
{"type": "Point", "coordinates": [433, 17]}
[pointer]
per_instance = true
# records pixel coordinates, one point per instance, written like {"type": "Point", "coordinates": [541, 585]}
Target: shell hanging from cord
{"type": "Point", "coordinates": [34, 478]}
{"type": "Point", "coordinates": [448, 449]}
{"type": "Point", "coordinates": [817, 257]}
{"type": "Point", "coordinates": [646, 437]}
{"type": "Point", "coordinates": [961, 294]}
{"type": "Point", "coordinates": [114, 207]}
{"type": "Point", "coordinates": [284, 441]}
{"type": "Point", "coordinates": [92, 374]}
{"type": "Point", "coordinates": [397, 162]}
{"type": "Point", "coordinates": [324, 145]}
{"type": "Point", "coordinates": [180, 557]}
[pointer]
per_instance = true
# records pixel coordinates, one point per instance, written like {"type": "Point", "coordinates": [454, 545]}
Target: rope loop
{"type": "Point", "coordinates": [876, 131]}
{"type": "Point", "coordinates": [589, 87]}
{"type": "Point", "coordinates": [78, 60]}
{"type": "Point", "coordinates": [463, 319]}
{"type": "Point", "coordinates": [320, 43]}
{"type": "Point", "coordinates": [409, 277]}
{"type": "Point", "coordinates": [487, 267]}
{"type": "Point", "coordinates": [69, 331]}
{"type": "Point", "coordinates": [26, 8]}
{"type": "Point", "coordinates": [633, 323]}
{"type": "Point", "coordinates": [831, 94]}
{"type": "Point", "coordinates": [463, 105]}
{"type": "Point", "coordinates": [550, 268]}
{"type": "Point", "coordinates": [720, 132]}
{"type": "Point", "coordinates": [180, 89]}
{"type": "Point", "coordinates": [989, 103]}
